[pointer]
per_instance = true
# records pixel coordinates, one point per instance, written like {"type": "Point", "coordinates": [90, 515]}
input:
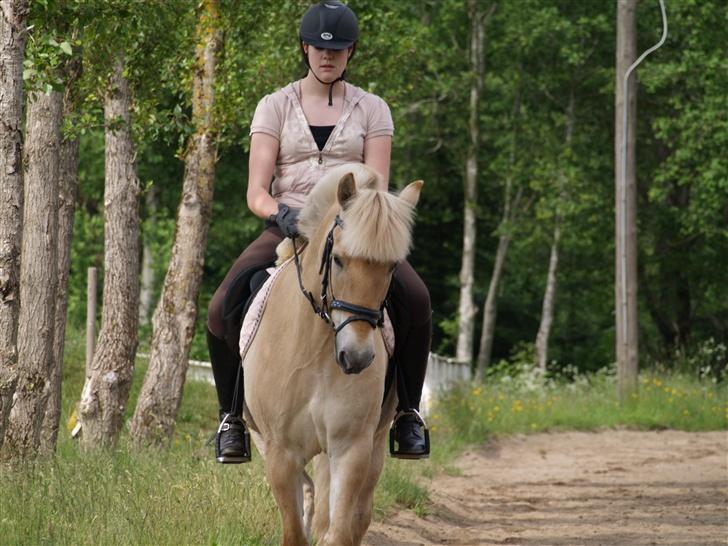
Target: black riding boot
{"type": "Point", "coordinates": [412, 322]}
{"type": "Point", "coordinates": [232, 443]}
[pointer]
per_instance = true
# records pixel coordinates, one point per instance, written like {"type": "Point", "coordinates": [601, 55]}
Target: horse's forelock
{"type": "Point", "coordinates": [377, 227]}
{"type": "Point", "coordinates": [323, 194]}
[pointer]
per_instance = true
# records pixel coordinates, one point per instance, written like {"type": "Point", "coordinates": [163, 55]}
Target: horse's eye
{"type": "Point", "coordinates": [338, 261]}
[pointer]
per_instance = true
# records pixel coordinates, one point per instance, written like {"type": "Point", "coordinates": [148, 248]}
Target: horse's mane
{"type": "Point", "coordinates": [377, 225]}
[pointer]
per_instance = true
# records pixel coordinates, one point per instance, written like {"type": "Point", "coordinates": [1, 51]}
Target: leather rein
{"type": "Point", "coordinates": [375, 317]}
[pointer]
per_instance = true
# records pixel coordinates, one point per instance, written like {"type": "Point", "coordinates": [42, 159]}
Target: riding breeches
{"type": "Point", "coordinates": [409, 308]}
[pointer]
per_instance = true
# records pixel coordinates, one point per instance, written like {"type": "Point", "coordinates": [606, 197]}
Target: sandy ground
{"type": "Point", "coordinates": [606, 488]}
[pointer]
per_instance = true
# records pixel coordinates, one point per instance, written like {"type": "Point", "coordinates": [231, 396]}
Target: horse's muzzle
{"type": "Point", "coordinates": [353, 362]}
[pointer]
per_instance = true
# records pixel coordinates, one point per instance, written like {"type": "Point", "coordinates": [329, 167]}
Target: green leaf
{"type": "Point", "coordinates": [66, 48]}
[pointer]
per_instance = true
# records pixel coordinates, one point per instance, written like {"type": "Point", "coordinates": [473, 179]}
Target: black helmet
{"type": "Point", "coordinates": [329, 25]}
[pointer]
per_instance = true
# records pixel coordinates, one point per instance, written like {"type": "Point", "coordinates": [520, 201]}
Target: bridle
{"type": "Point", "coordinates": [375, 317]}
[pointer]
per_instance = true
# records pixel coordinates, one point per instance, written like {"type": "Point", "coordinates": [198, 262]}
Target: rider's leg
{"type": "Point", "coordinates": [411, 315]}
{"type": "Point", "coordinates": [226, 361]}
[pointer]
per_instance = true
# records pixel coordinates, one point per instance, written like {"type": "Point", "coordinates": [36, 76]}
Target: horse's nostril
{"type": "Point", "coordinates": [342, 360]}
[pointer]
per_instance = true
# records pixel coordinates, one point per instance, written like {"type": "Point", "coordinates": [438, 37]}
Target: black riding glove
{"type": "Point", "coordinates": [286, 219]}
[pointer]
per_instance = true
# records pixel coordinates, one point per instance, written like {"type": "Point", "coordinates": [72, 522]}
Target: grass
{"type": "Point", "coordinates": [181, 496]}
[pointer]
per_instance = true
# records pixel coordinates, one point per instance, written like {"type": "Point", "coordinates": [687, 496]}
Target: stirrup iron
{"type": "Point", "coordinates": [245, 456]}
{"type": "Point", "coordinates": [394, 450]}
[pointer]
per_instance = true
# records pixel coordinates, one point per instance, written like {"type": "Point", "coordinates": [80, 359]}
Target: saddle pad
{"type": "Point", "coordinates": [257, 307]}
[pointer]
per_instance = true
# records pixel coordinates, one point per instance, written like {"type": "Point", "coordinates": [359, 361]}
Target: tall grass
{"type": "Point", "coordinates": [181, 496]}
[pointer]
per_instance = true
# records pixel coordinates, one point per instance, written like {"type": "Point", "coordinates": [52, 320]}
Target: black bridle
{"type": "Point", "coordinates": [375, 317]}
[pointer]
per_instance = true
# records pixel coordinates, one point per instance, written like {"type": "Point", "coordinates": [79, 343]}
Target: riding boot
{"type": "Point", "coordinates": [410, 312]}
{"type": "Point", "coordinates": [232, 442]}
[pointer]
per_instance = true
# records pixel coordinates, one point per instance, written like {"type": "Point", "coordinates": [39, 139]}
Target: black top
{"type": "Point", "coordinates": [321, 134]}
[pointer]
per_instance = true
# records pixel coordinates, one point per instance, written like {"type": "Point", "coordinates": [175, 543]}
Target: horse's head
{"type": "Point", "coordinates": [368, 233]}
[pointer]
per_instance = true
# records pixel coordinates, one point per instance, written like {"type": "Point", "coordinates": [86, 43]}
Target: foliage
{"type": "Point", "coordinates": [414, 55]}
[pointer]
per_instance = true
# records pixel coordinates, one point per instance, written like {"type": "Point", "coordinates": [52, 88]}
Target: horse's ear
{"type": "Point", "coordinates": [347, 188]}
{"type": "Point", "coordinates": [411, 194]}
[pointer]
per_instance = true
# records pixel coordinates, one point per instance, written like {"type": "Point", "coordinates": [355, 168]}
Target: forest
{"type": "Point", "coordinates": [539, 135]}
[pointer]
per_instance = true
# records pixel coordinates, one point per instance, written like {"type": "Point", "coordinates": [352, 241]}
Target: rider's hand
{"type": "Point", "coordinates": [287, 219]}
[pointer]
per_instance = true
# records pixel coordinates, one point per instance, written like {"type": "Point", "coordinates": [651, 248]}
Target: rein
{"type": "Point", "coordinates": [375, 317]}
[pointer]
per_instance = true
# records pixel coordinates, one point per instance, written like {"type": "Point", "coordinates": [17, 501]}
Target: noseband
{"type": "Point", "coordinates": [375, 317]}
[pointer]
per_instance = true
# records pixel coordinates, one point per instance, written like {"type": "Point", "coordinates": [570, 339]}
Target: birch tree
{"type": "Point", "coordinates": [106, 390]}
{"type": "Point", "coordinates": [466, 307]}
{"type": "Point", "coordinates": [38, 276]}
{"type": "Point", "coordinates": [13, 16]}
{"type": "Point", "coordinates": [513, 203]}
{"type": "Point", "coordinates": [175, 315]}
{"type": "Point", "coordinates": [549, 297]}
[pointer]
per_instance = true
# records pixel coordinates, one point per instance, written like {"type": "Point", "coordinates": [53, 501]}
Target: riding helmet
{"type": "Point", "coordinates": [329, 25]}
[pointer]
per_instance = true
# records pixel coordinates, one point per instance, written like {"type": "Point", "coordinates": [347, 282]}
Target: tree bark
{"type": "Point", "coordinates": [13, 14]}
{"type": "Point", "coordinates": [106, 391]}
{"type": "Point", "coordinates": [147, 286]}
{"type": "Point", "coordinates": [68, 192]}
{"type": "Point", "coordinates": [38, 277]}
{"type": "Point", "coordinates": [466, 307]}
{"type": "Point", "coordinates": [547, 309]}
{"type": "Point", "coordinates": [549, 297]}
{"type": "Point", "coordinates": [175, 315]}
{"type": "Point", "coordinates": [626, 204]}
{"type": "Point", "coordinates": [490, 307]}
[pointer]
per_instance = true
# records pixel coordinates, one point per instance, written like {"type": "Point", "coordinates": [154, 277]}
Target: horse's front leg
{"type": "Point", "coordinates": [349, 471]}
{"type": "Point", "coordinates": [363, 513]}
{"type": "Point", "coordinates": [285, 476]}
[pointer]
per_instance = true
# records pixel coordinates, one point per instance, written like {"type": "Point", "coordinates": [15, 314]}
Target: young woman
{"type": "Point", "coordinates": [298, 133]}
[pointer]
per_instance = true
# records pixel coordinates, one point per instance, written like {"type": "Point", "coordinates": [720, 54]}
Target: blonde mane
{"type": "Point", "coordinates": [376, 225]}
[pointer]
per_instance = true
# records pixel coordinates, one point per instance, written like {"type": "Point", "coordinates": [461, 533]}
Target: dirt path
{"type": "Point", "coordinates": [606, 488]}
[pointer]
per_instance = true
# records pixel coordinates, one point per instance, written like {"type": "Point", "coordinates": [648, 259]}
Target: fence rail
{"type": "Point", "coordinates": [441, 373]}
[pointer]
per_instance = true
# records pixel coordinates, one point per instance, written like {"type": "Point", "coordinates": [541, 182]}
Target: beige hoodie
{"type": "Point", "coordinates": [300, 164]}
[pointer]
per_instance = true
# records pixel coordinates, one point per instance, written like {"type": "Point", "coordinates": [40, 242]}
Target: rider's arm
{"type": "Point", "coordinates": [377, 154]}
{"type": "Point", "coordinates": [263, 154]}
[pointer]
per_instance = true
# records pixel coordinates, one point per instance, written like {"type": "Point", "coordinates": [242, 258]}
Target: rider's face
{"type": "Point", "coordinates": [328, 64]}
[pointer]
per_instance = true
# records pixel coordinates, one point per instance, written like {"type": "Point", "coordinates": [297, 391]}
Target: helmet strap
{"type": "Point", "coordinates": [331, 85]}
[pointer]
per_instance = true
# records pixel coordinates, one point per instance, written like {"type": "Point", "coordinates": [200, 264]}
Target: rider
{"type": "Point", "coordinates": [297, 133]}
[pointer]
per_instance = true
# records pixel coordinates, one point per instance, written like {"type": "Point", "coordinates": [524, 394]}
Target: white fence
{"type": "Point", "coordinates": [441, 372]}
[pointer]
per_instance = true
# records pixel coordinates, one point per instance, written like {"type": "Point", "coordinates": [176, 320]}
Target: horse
{"type": "Point", "coordinates": [315, 389]}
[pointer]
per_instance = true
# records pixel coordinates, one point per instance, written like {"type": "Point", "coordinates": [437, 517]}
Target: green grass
{"type": "Point", "coordinates": [473, 412]}
{"type": "Point", "coordinates": [181, 496]}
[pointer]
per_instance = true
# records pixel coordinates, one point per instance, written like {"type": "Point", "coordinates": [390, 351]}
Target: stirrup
{"type": "Point", "coordinates": [396, 452]}
{"type": "Point", "coordinates": [244, 456]}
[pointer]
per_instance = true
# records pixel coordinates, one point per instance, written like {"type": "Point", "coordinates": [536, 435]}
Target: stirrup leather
{"type": "Point", "coordinates": [394, 450]}
{"type": "Point", "coordinates": [225, 425]}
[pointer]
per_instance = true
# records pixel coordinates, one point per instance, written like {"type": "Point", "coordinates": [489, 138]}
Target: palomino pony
{"type": "Point", "coordinates": [315, 388]}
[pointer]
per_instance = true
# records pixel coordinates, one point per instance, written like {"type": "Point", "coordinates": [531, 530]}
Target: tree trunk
{"type": "Point", "coordinates": [626, 204]}
{"type": "Point", "coordinates": [547, 310]}
{"type": "Point", "coordinates": [12, 48]}
{"type": "Point", "coordinates": [510, 212]}
{"type": "Point", "coordinates": [106, 391]}
{"type": "Point", "coordinates": [38, 276]}
{"type": "Point", "coordinates": [466, 307]}
{"type": "Point", "coordinates": [490, 307]}
{"type": "Point", "coordinates": [68, 191]}
{"type": "Point", "coordinates": [175, 315]}
{"type": "Point", "coordinates": [147, 285]}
